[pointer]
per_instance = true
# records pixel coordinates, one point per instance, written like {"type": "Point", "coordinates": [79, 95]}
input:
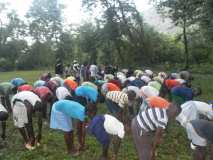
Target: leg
{"type": "Point", "coordinates": [211, 152]}
{"type": "Point", "coordinates": [39, 136]}
{"type": "Point", "coordinates": [69, 140]}
{"type": "Point", "coordinates": [7, 103]}
{"type": "Point", "coordinates": [116, 146]}
{"type": "Point", "coordinates": [29, 125]}
{"type": "Point", "coordinates": [23, 134]}
{"type": "Point", "coordinates": [44, 110]}
{"type": "Point", "coordinates": [3, 118]}
{"type": "Point", "coordinates": [81, 135]}
{"type": "Point", "coordinates": [3, 136]}
{"type": "Point", "coordinates": [199, 153]}
{"type": "Point", "coordinates": [105, 149]}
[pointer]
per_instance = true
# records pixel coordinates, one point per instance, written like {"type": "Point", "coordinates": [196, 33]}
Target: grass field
{"type": "Point", "coordinates": [175, 145]}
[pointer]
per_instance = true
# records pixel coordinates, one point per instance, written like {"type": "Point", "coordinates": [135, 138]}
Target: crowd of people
{"type": "Point", "coordinates": [138, 102]}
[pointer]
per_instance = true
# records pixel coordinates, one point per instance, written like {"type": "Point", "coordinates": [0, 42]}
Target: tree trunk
{"type": "Point", "coordinates": [186, 50]}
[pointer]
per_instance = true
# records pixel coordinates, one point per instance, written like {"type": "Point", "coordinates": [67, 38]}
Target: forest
{"type": "Point", "coordinates": [119, 35]}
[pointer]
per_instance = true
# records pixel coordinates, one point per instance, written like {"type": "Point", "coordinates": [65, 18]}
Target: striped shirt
{"type": "Point", "coordinates": [118, 97]}
{"type": "Point", "coordinates": [152, 118]}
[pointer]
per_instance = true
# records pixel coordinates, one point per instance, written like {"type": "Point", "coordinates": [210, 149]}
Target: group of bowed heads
{"type": "Point", "coordinates": [140, 103]}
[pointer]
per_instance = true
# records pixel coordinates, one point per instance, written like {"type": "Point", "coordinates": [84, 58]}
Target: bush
{"type": "Point", "coordinates": [6, 65]}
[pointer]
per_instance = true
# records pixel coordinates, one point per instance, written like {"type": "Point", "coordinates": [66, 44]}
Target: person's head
{"type": "Point", "coordinates": [196, 91]}
{"type": "Point", "coordinates": [173, 111]}
{"type": "Point", "coordinates": [131, 96]}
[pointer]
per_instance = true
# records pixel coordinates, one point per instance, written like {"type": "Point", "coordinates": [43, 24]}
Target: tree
{"type": "Point", "coordinates": [45, 20]}
{"type": "Point", "coordinates": [122, 26]}
{"type": "Point", "coordinates": [183, 13]}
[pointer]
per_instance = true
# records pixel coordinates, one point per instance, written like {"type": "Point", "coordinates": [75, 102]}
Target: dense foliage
{"type": "Point", "coordinates": [118, 35]}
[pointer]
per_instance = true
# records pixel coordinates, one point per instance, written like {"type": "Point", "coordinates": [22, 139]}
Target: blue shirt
{"type": "Point", "coordinates": [138, 83]}
{"type": "Point", "coordinates": [71, 108]}
{"type": "Point", "coordinates": [39, 83]}
{"type": "Point", "coordinates": [88, 92]}
{"type": "Point", "coordinates": [18, 82]}
{"type": "Point", "coordinates": [96, 128]}
{"type": "Point", "coordinates": [183, 92]}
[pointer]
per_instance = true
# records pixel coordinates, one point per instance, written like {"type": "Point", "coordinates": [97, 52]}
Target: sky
{"type": "Point", "coordinates": [73, 12]}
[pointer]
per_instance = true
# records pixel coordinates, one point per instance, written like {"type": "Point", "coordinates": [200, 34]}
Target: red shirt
{"type": "Point", "coordinates": [170, 83]}
{"type": "Point", "coordinates": [71, 84]}
{"type": "Point", "coordinates": [52, 85]}
{"type": "Point", "coordinates": [112, 87]}
{"type": "Point", "coordinates": [116, 82]}
{"type": "Point", "coordinates": [158, 102]}
{"type": "Point", "coordinates": [25, 87]}
{"type": "Point", "coordinates": [43, 92]}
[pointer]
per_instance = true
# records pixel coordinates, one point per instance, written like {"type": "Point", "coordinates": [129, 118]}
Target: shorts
{"type": "Point", "coordinates": [112, 106]}
{"type": "Point", "coordinates": [20, 117]}
{"type": "Point", "coordinates": [194, 137]}
{"type": "Point", "coordinates": [60, 121]}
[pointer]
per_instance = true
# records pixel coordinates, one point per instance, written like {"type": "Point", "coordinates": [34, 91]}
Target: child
{"type": "Point", "coordinates": [24, 104]}
{"type": "Point", "coordinates": [193, 110]}
{"type": "Point", "coordinates": [103, 127]}
{"type": "Point", "coordinates": [200, 133]}
{"type": "Point", "coordinates": [182, 94]}
{"type": "Point", "coordinates": [147, 129]}
{"type": "Point", "coordinates": [46, 97]}
{"type": "Point", "coordinates": [119, 102]}
{"type": "Point", "coordinates": [89, 95]}
{"type": "Point", "coordinates": [63, 111]}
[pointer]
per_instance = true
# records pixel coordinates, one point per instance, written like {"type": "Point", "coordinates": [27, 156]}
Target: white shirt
{"type": "Point", "coordinates": [31, 97]}
{"type": "Point", "coordinates": [2, 109]}
{"type": "Point", "coordinates": [191, 110]}
{"type": "Point", "coordinates": [148, 91]}
{"type": "Point", "coordinates": [93, 70]}
{"type": "Point", "coordinates": [134, 89]}
{"type": "Point", "coordinates": [62, 92]}
{"type": "Point", "coordinates": [113, 126]}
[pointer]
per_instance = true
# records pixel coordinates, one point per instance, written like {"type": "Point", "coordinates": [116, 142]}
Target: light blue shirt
{"type": "Point", "coordinates": [88, 92]}
{"type": "Point", "coordinates": [71, 108]}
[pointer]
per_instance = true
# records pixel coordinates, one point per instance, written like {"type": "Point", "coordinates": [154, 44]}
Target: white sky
{"type": "Point", "coordinates": [73, 12]}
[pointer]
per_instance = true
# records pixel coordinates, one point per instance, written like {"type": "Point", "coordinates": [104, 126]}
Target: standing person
{"type": "Point", "coordinates": [76, 71]}
{"type": "Point", "coordinates": [200, 133]}
{"type": "Point", "coordinates": [3, 118]}
{"type": "Point", "coordinates": [59, 67]}
{"type": "Point", "coordinates": [93, 71]}
{"type": "Point", "coordinates": [7, 89]}
{"type": "Point", "coordinates": [24, 104]}
{"type": "Point", "coordinates": [147, 129]}
{"type": "Point", "coordinates": [62, 115]}
{"type": "Point", "coordinates": [103, 127]}
{"type": "Point", "coordinates": [83, 72]}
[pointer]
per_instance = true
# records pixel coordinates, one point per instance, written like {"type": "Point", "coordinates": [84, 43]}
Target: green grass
{"type": "Point", "coordinates": [175, 145]}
